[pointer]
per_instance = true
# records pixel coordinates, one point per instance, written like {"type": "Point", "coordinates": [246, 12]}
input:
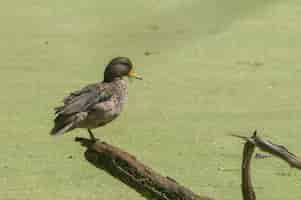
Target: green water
{"type": "Point", "coordinates": [211, 68]}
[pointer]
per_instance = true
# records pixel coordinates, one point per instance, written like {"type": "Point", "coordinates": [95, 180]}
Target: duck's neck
{"type": "Point", "coordinates": [121, 91]}
{"type": "Point", "coordinates": [108, 79]}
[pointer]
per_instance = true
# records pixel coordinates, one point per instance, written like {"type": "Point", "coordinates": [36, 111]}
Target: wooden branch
{"type": "Point", "coordinates": [266, 146]}
{"type": "Point", "coordinates": [246, 185]}
{"type": "Point", "coordinates": [279, 151]}
{"type": "Point", "coordinates": [129, 170]}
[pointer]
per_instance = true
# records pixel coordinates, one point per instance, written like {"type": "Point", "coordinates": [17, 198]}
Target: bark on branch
{"type": "Point", "coordinates": [266, 146]}
{"type": "Point", "coordinates": [129, 170]}
{"type": "Point", "coordinates": [246, 185]}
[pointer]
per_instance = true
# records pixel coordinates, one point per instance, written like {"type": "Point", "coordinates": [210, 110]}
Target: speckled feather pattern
{"type": "Point", "coordinates": [106, 111]}
{"type": "Point", "coordinates": [91, 107]}
{"type": "Point", "coordinates": [96, 104]}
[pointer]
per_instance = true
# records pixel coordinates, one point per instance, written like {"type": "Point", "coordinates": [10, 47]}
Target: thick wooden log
{"type": "Point", "coordinates": [129, 170]}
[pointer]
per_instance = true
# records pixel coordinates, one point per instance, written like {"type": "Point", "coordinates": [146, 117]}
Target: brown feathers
{"type": "Point", "coordinates": [96, 104]}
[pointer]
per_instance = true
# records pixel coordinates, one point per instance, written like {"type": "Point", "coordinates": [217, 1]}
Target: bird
{"type": "Point", "coordinates": [96, 104]}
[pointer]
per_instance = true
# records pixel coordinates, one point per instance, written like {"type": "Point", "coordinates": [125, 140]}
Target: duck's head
{"type": "Point", "coordinates": [119, 67]}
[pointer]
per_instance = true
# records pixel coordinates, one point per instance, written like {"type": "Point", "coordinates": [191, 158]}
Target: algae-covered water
{"type": "Point", "coordinates": [211, 68]}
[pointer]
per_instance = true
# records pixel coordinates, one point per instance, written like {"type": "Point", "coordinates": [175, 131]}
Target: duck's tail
{"type": "Point", "coordinates": [60, 130]}
{"type": "Point", "coordinates": [62, 124]}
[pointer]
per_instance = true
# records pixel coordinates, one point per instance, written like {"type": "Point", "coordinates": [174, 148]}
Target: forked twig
{"type": "Point", "coordinates": [279, 151]}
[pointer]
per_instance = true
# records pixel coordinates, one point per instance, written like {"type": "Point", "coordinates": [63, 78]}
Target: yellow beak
{"type": "Point", "coordinates": [133, 74]}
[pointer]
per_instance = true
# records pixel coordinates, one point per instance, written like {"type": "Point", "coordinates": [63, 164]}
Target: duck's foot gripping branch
{"type": "Point", "coordinates": [266, 146]}
{"type": "Point", "coordinates": [129, 170]}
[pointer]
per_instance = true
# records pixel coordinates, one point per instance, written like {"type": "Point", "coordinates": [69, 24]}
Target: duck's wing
{"type": "Point", "coordinates": [82, 100]}
{"type": "Point", "coordinates": [77, 105]}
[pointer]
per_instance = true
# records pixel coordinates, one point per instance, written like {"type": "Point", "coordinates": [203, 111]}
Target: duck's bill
{"type": "Point", "coordinates": [138, 77]}
{"type": "Point", "coordinates": [133, 74]}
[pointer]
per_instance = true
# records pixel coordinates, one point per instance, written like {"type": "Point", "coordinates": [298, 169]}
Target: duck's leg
{"type": "Point", "coordinates": [92, 137]}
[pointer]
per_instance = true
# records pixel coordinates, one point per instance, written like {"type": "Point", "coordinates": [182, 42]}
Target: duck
{"type": "Point", "coordinates": [96, 104]}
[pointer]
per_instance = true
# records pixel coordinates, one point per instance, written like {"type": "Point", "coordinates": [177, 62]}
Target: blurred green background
{"type": "Point", "coordinates": [211, 68]}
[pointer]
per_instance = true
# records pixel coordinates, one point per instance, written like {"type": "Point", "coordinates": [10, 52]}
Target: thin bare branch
{"type": "Point", "coordinates": [246, 185]}
{"type": "Point", "coordinates": [279, 151]}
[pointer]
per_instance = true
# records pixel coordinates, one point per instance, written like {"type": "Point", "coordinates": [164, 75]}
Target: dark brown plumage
{"type": "Point", "coordinates": [96, 104]}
